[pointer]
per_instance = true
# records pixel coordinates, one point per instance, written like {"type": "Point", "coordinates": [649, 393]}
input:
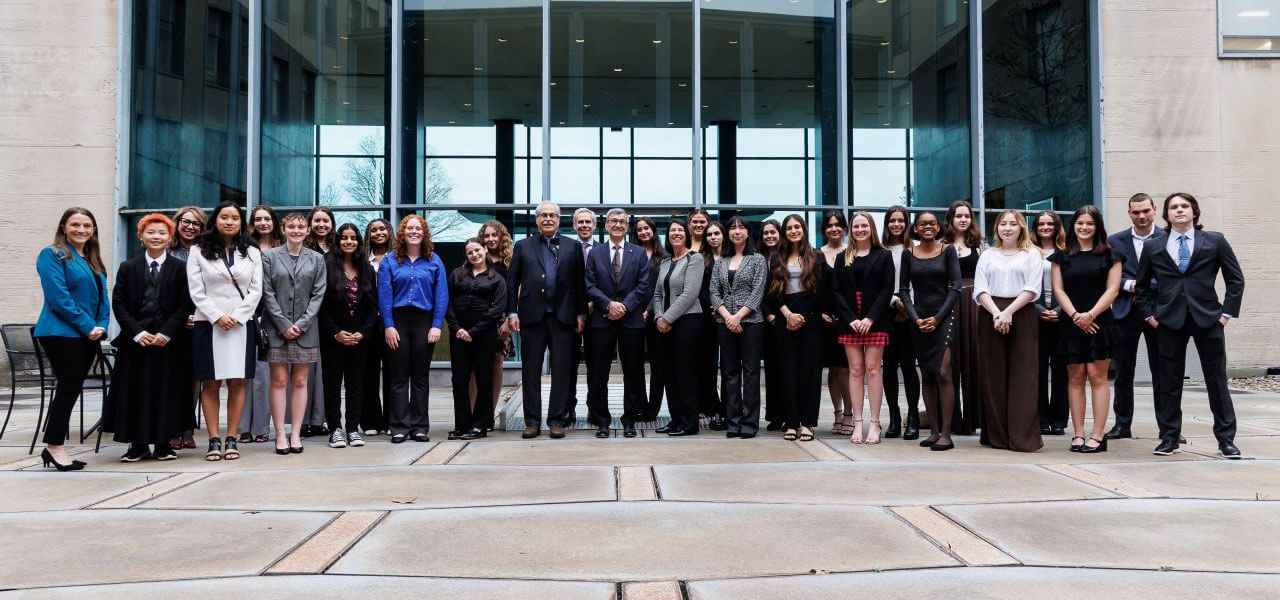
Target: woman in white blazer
{"type": "Point", "coordinates": [225, 274]}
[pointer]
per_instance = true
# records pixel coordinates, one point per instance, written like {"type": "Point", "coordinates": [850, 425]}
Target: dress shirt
{"type": "Point", "coordinates": [1131, 285]}
{"type": "Point", "coordinates": [1046, 283]}
{"type": "Point", "coordinates": [1005, 277]}
{"type": "Point", "coordinates": [1171, 243]}
{"type": "Point", "coordinates": [159, 262]}
{"type": "Point", "coordinates": [476, 301]}
{"type": "Point", "coordinates": [421, 283]}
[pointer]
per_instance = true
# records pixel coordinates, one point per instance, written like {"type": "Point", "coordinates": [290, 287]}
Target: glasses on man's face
{"type": "Point", "coordinates": [548, 216]}
{"type": "Point", "coordinates": [617, 221]}
{"type": "Point", "coordinates": [188, 223]}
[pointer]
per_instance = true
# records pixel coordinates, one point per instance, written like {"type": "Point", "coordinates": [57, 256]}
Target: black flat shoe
{"type": "Point", "coordinates": [475, 433]}
{"type": "Point", "coordinates": [716, 423]}
{"type": "Point", "coordinates": [421, 437]}
{"type": "Point", "coordinates": [1119, 432]}
{"type": "Point", "coordinates": [602, 433]}
{"type": "Point", "coordinates": [1074, 446]}
{"type": "Point", "coordinates": [1229, 450]}
{"type": "Point", "coordinates": [1044, 430]}
{"type": "Point", "coordinates": [939, 447]}
{"type": "Point", "coordinates": [47, 458]}
{"type": "Point", "coordinates": [454, 435]}
{"type": "Point", "coordinates": [929, 441]}
{"type": "Point", "coordinates": [295, 449]}
{"type": "Point", "coordinates": [1057, 431]}
{"type": "Point", "coordinates": [1101, 447]}
{"type": "Point", "coordinates": [663, 429]}
{"type": "Point", "coordinates": [682, 432]}
{"type": "Point", "coordinates": [1166, 448]}
{"type": "Point", "coordinates": [397, 438]}
{"type": "Point", "coordinates": [629, 431]}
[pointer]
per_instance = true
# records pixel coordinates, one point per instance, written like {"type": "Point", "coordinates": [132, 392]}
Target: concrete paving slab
{"type": "Point", "coordinates": [639, 541]}
{"type": "Point", "coordinates": [998, 583]}
{"type": "Point", "coordinates": [1254, 447]}
{"type": "Point", "coordinates": [968, 452]}
{"type": "Point", "coordinates": [286, 587]}
{"type": "Point", "coordinates": [960, 542]}
{"type": "Point", "coordinates": [1220, 479]}
{"type": "Point", "coordinates": [393, 488]}
{"type": "Point", "coordinates": [34, 491]}
{"type": "Point", "coordinates": [1198, 427]}
{"type": "Point", "coordinates": [317, 553]}
{"type": "Point", "coordinates": [263, 457]}
{"type": "Point", "coordinates": [121, 546]}
{"type": "Point", "coordinates": [636, 451]}
{"type": "Point", "coordinates": [868, 483]}
{"type": "Point", "coordinates": [1202, 535]}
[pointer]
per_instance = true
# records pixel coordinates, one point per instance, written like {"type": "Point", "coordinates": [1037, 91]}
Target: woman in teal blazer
{"type": "Point", "coordinates": [74, 318]}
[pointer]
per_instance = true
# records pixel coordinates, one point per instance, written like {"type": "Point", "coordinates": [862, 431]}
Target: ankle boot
{"type": "Point", "coordinates": [913, 424]}
{"type": "Point", "coordinates": [895, 422]}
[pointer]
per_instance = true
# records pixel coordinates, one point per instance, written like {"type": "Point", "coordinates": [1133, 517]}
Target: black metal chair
{"type": "Point", "coordinates": [99, 377]}
{"type": "Point", "coordinates": [25, 365]}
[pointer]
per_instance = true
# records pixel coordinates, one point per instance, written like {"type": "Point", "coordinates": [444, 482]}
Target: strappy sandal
{"type": "Point", "coordinates": [215, 450]}
{"type": "Point", "coordinates": [261, 438]}
{"type": "Point", "coordinates": [230, 451]}
{"type": "Point", "coordinates": [847, 424]}
{"type": "Point", "coordinates": [806, 434]}
{"type": "Point", "coordinates": [874, 433]}
{"type": "Point", "coordinates": [837, 425]}
{"type": "Point", "coordinates": [789, 435]}
{"type": "Point", "coordinates": [246, 438]}
{"type": "Point", "coordinates": [855, 433]}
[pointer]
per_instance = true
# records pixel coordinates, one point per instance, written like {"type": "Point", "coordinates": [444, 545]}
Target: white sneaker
{"type": "Point", "coordinates": [354, 440]}
{"type": "Point", "coordinates": [338, 439]}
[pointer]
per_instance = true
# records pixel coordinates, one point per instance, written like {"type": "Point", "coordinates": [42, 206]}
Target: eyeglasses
{"type": "Point", "coordinates": [617, 221]}
{"type": "Point", "coordinates": [190, 223]}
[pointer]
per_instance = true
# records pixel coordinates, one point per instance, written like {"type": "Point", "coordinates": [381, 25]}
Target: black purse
{"type": "Point", "coordinates": [261, 344]}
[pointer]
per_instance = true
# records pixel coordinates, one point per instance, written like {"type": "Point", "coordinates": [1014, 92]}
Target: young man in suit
{"type": "Point", "coordinates": [618, 289]}
{"type": "Point", "coordinates": [547, 306]}
{"type": "Point", "coordinates": [1183, 304]}
{"type": "Point", "coordinates": [1130, 244]}
{"type": "Point", "coordinates": [584, 225]}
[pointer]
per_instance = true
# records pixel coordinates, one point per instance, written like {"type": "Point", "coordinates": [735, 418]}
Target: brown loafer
{"type": "Point", "coordinates": [557, 432]}
{"type": "Point", "coordinates": [531, 432]}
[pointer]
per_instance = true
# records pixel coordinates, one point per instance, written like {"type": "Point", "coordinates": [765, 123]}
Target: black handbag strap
{"type": "Point", "coordinates": [227, 263]}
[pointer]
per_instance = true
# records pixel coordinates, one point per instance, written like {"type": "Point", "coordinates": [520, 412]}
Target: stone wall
{"type": "Point", "coordinates": [1178, 118]}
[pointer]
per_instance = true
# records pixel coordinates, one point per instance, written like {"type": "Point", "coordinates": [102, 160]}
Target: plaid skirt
{"type": "Point", "coordinates": [870, 338]}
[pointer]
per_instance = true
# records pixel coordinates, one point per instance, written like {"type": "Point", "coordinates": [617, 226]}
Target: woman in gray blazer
{"type": "Point", "coordinates": [293, 284]}
{"type": "Point", "coordinates": [676, 296]}
{"type": "Point", "coordinates": [737, 288]}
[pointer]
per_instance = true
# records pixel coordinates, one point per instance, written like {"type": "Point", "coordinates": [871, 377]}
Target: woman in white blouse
{"type": "Point", "coordinates": [1006, 283]}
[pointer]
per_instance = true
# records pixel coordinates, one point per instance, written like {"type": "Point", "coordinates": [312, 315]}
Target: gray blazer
{"type": "Point", "coordinates": [686, 283]}
{"type": "Point", "coordinates": [291, 295]}
{"type": "Point", "coordinates": [747, 288]}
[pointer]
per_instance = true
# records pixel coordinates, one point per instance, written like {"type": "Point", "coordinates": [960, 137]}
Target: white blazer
{"type": "Point", "coordinates": [212, 290]}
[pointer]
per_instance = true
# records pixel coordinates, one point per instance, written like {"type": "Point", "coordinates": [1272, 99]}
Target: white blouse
{"type": "Point", "coordinates": [1006, 277]}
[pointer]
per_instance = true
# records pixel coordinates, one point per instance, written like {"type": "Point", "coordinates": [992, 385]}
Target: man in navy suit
{"type": "Point", "coordinates": [1130, 244]}
{"type": "Point", "coordinates": [618, 287]}
{"type": "Point", "coordinates": [1184, 305]}
{"type": "Point", "coordinates": [547, 304]}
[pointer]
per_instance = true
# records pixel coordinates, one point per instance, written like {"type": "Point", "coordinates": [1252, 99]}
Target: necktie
{"type": "Point", "coordinates": [155, 268]}
{"type": "Point", "coordinates": [617, 263]}
{"type": "Point", "coordinates": [586, 247]}
{"type": "Point", "coordinates": [555, 248]}
{"type": "Point", "coordinates": [1184, 256]}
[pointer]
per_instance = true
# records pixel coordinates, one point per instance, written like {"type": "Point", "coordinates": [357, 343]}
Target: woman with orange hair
{"type": "Point", "coordinates": [152, 377]}
{"type": "Point", "coordinates": [413, 293]}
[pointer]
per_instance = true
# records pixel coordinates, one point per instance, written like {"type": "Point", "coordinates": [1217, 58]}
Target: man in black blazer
{"type": "Point", "coordinates": [1130, 243]}
{"type": "Point", "coordinates": [1184, 305]}
{"type": "Point", "coordinates": [547, 304]}
{"type": "Point", "coordinates": [618, 288]}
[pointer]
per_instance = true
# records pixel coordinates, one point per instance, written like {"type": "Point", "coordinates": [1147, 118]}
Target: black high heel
{"type": "Point", "coordinates": [1101, 447]}
{"type": "Point", "coordinates": [49, 461]}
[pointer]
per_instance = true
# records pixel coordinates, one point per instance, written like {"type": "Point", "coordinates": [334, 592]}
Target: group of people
{"type": "Point", "coordinates": [1006, 337]}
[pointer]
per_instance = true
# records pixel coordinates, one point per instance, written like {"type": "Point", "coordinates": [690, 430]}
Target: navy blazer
{"type": "Point", "coordinates": [1192, 293]}
{"type": "Point", "coordinates": [526, 282]}
{"type": "Point", "coordinates": [1122, 243]}
{"type": "Point", "coordinates": [631, 288]}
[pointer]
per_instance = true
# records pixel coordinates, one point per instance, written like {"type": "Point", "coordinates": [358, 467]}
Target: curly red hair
{"type": "Point", "coordinates": [427, 246]}
{"type": "Point", "coordinates": [154, 218]}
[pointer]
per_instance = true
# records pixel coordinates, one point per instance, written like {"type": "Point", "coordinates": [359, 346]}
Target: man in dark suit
{"type": "Point", "coordinates": [584, 225]}
{"type": "Point", "coordinates": [1184, 305]}
{"type": "Point", "coordinates": [547, 305]}
{"type": "Point", "coordinates": [1130, 244]}
{"type": "Point", "coordinates": [618, 288]}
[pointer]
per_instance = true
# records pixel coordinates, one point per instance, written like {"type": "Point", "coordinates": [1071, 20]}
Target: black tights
{"type": "Point", "coordinates": [901, 355]}
{"type": "Point", "coordinates": [939, 398]}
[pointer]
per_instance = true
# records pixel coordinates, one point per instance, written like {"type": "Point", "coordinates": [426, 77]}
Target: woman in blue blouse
{"type": "Point", "coordinates": [413, 294]}
{"type": "Point", "coordinates": [74, 318]}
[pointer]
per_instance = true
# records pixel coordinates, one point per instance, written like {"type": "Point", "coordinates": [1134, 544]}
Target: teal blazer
{"type": "Point", "coordinates": [75, 299]}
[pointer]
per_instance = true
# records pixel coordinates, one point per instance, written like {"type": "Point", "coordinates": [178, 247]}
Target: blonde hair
{"type": "Point", "coordinates": [851, 249]}
{"type": "Point", "coordinates": [1024, 236]}
{"type": "Point", "coordinates": [504, 240]}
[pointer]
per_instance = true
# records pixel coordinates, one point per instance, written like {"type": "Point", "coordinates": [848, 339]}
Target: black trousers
{"type": "Point", "coordinates": [629, 343]}
{"type": "Point", "coordinates": [773, 392]}
{"type": "Point", "coordinates": [341, 365]}
{"type": "Point", "coordinates": [377, 384]}
{"type": "Point", "coordinates": [71, 359]}
{"type": "Point", "coordinates": [1211, 345]}
{"type": "Point", "coordinates": [708, 369]}
{"type": "Point", "coordinates": [901, 355]}
{"type": "Point", "coordinates": [1131, 328]}
{"type": "Point", "coordinates": [800, 359]}
{"type": "Point", "coordinates": [468, 359]}
{"type": "Point", "coordinates": [657, 375]}
{"type": "Point", "coordinates": [679, 364]}
{"type": "Point", "coordinates": [410, 372]}
{"type": "Point", "coordinates": [740, 369]}
{"type": "Point", "coordinates": [1052, 384]}
{"type": "Point", "coordinates": [536, 338]}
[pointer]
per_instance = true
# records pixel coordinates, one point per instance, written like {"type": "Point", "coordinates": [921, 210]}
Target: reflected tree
{"type": "Point", "coordinates": [364, 182]}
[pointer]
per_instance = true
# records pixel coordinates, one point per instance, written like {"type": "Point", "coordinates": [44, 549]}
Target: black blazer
{"type": "Point", "coordinates": [1122, 243]}
{"type": "Point", "coordinates": [333, 309]}
{"type": "Point", "coordinates": [526, 280]}
{"type": "Point", "coordinates": [1180, 294]}
{"type": "Point", "coordinates": [174, 301]}
{"type": "Point", "coordinates": [877, 287]}
{"type": "Point", "coordinates": [631, 289]}
{"type": "Point", "coordinates": [810, 304]}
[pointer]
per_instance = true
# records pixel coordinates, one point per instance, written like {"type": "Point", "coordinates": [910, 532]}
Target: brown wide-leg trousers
{"type": "Point", "coordinates": [1008, 370]}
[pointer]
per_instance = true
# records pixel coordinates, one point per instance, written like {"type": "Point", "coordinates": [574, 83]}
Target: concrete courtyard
{"type": "Point", "coordinates": [705, 518]}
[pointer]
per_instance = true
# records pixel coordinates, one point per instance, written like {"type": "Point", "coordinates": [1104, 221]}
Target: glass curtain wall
{"type": "Point", "coordinates": [1037, 129]}
{"type": "Point", "coordinates": [908, 102]}
{"type": "Point", "coordinates": [324, 109]}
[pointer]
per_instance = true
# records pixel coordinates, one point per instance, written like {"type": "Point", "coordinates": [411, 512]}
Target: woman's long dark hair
{"type": "Point", "coordinates": [313, 241]}
{"type": "Point", "coordinates": [1100, 245]}
{"type": "Point", "coordinates": [92, 251]}
{"type": "Point", "coordinates": [826, 222]}
{"type": "Point", "coordinates": [1059, 232]}
{"type": "Point", "coordinates": [654, 244]}
{"type": "Point", "coordinates": [972, 239]}
{"type": "Point", "coordinates": [276, 238]}
{"type": "Point", "coordinates": [889, 239]}
{"type": "Point", "coordinates": [748, 248]}
{"type": "Point", "coordinates": [764, 249]}
{"type": "Point", "coordinates": [334, 259]}
{"type": "Point", "coordinates": [211, 243]}
{"type": "Point", "coordinates": [808, 260]}
{"type": "Point", "coordinates": [709, 255]}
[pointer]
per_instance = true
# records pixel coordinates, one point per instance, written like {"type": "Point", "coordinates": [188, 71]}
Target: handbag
{"type": "Point", "coordinates": [261, 344]}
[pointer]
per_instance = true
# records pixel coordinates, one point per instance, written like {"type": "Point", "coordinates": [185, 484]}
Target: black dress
{"type": "Point", "coordinates": [1084, 281]}
{"type": "Point", "coordinates": [149, 398]}
{"type": "Point", "coordinates": [929, 287]}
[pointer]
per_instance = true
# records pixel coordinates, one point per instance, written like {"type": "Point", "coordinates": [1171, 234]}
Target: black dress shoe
{"type": "Point", "coordinates": [1229, 450]}
{"type": "Point", "coordinates": [1119, 432]}
{"type": "Point", "coordinates": [1181, 440]}
{"type": "Point", "coordinates": [895, 425]}
{"type": "Point", "coordinates": [1044, 430]}
{"type": "Point", "coordinates": [774, 426]}
{"type": "Point", "coordinates": [941, 447]}
{"type": "Point", "coordinates": [629, 430]}
{"type": "Point", "coordinates": [746, 436]}
{"type": "Point", "coordinates": [295, 449]}
{"type": "Point", "coordinates": [1166, 448]}
{"type": "Point", "coordinates": [663, 429]}
{"type": "Point", "coordinates": [1057, 431]}
{"type": "Point", "coordinates": [682, 432]}
{"type": "Point", "coordinates": [602, 432]}
{"type": "Point", "coordinates": [472, 434]}
{"type": "Point", "coordinates": [397, 438]}
{"type": "Point", "coordinates": [731, 434]}
{"type": "Point", "coordinates": [716, 423]}
{"type": "Point", "coordinates": [421, 436]}
{"type": "Point", "coordinates": [912, 430]}
{"type": "Point", "coordinates": [1074, 446]}
{"type": "Point", "coordinates": [1101, 447]}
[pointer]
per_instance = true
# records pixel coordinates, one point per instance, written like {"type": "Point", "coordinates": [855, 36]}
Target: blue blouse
{"type": "Point", "coordinates": [74, 303]}
{"type": "Point", "coordinates": [420, 283]}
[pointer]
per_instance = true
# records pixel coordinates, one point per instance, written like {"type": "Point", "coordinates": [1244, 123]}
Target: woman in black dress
{"type": "Point", "coordinates": [152, 378]}
{"type": "Point", "coordinates": [929, 288]}
{"type": "Point", "coordinates": [477, 304]}
{"type": "Point", "coordinates": [1051, 238]}
{"type": "Point", "coordinates": [834, 229]}
{"type": "Point", "coordinates": [645, 235]}
{"type": "Point", "coordinates": [901, 354]}
{"type": "Point", "coordinates": [770, 242]}
{"type": "Point", "coordinates": [961, 233]}
{"type": "Point", "coordinates": [799, 289]}
{"type": "Point", "coordinates": [1086, 280]}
